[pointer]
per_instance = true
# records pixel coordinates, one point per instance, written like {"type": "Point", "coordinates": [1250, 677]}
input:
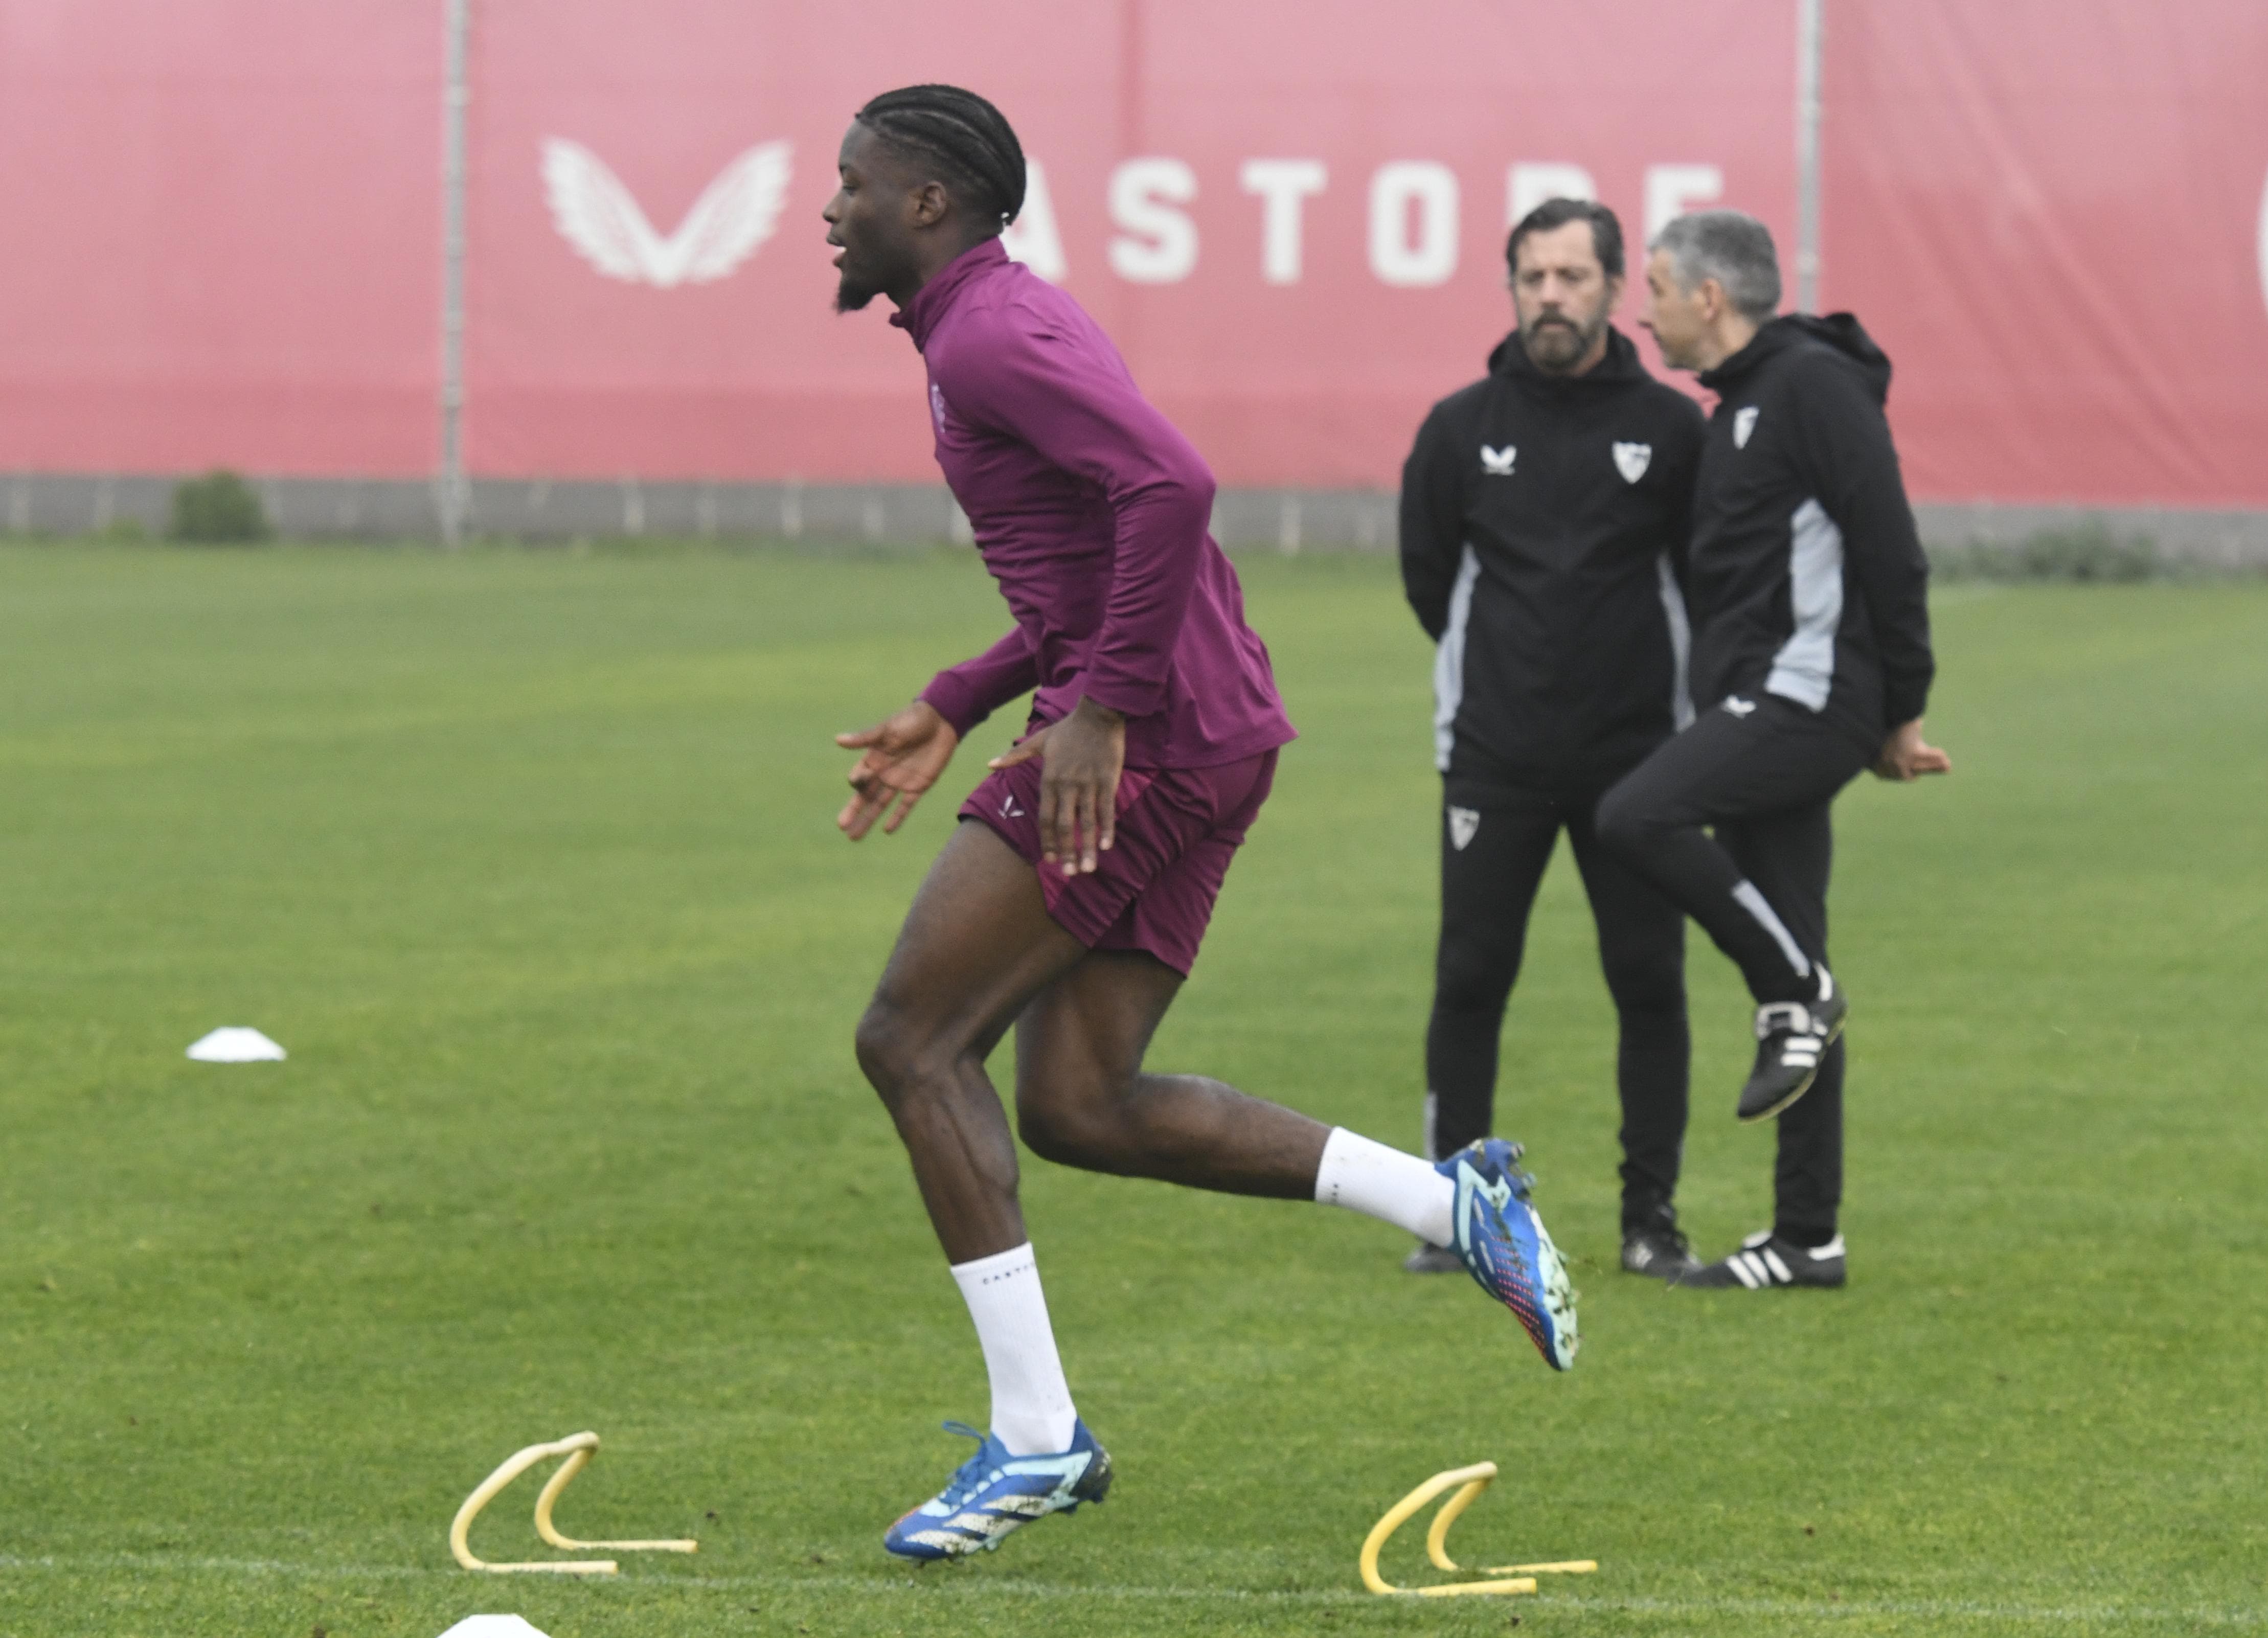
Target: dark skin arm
{"type": "Point", "coordinates": [1083, 754]}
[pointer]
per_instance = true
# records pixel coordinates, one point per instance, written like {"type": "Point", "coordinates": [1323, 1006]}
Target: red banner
{"type": "Point", "coordinates": [224, 235]}
{"type": "Point", "coordinates": [1292, 222]}
{"type": "Point", "coordinates": [226, 219]}
{"type": "Point", "coordinates": [2052, 216]}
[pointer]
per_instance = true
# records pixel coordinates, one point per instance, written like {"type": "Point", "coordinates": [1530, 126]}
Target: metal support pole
{"type": "Point", "coordinates": [1810, 44]}
{"type": "Point", "coordinates": [449, 485]}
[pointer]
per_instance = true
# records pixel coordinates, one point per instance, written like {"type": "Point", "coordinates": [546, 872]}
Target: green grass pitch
{"type": "Point", "coordinates": [528, 858]}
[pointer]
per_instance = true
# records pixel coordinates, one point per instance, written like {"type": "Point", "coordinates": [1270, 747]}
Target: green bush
{"type": "Point", "coordinates": [2087, 551]}
{"type": "Point", "coordinates": [220, 506]}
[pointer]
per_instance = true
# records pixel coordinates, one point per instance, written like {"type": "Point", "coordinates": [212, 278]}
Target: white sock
{"type": "Point", "coordinates": [1032, 1412]}
{"type": "Point", "coordinates": [1388, 1185]}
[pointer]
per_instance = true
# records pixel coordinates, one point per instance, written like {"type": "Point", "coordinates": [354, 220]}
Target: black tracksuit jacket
{"type": "Point", "coordinates": [1543, 528]}
{"type": "Point", "coordinates": [1806, 577]}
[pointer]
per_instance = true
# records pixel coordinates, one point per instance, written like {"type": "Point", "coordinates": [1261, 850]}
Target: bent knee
{"type": "Point", "coordinates": [880, 1044]}
{"type": "Point", "coordinates": [1072, 1132]}
{"type": "Point", "coordinates": [1050, 1134]}
{"type": "Point", "coordinates": [1625, 818]}
{"type": "Point", "coordinates": [893, 1049]}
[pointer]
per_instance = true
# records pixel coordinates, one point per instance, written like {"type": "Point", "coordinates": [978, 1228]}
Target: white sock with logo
{"type": "Point", "coordinates": [1388, 1184]}
{"type": "Point", "coordinates": [1032, 1412]}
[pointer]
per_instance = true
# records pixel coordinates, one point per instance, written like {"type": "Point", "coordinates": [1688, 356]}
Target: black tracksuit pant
{"type": "Point", "coordinates": [1495, 844]}
{"type": "Point", "coordinates": [1764, 778]}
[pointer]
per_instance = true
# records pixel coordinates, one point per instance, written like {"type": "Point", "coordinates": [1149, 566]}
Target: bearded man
{"type": "Point", "coordinates": [1544, 514]}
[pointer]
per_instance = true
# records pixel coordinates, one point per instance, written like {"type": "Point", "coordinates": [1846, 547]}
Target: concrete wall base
{"type": "Point", "coordinates": [1283, 520]}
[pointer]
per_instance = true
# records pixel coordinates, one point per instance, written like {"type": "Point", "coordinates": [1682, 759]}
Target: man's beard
{"type": "Point", "coordinates": [851, 295]}
{"type": "Point", "coordinates": [1559, 344]}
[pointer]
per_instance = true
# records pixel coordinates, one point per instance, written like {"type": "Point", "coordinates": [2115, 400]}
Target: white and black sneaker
{"type": "Point", "coordinates": [1791, 1037]}
{"type": "Point", "coordinates": [1659, 1252]}
{"type": "Point", "coordinates": [1765, 1260]}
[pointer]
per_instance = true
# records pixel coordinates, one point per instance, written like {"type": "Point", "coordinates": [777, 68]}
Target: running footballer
{"type": "Point", "coordinates": [1070, 898]}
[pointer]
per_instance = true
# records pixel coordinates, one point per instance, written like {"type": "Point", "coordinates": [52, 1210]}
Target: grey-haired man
{"type": "Point", "coordinates": [1808, 590]}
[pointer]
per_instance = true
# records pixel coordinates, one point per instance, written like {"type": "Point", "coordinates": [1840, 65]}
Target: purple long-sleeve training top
{"type": "Point", "coordinates": [1093, 512]}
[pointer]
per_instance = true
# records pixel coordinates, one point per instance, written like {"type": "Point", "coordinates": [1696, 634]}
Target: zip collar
{"type": "Point", "coordinates": [919, 317]}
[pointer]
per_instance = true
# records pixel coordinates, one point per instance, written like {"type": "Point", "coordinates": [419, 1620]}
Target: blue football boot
{"type": "Point", "coordinates": [992, 1493]}
{"type": "Point", "coordinates": [1504, 1246]}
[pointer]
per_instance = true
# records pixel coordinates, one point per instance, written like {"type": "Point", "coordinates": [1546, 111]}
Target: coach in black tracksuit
{"type": "Point", "coordinates": [1811, 662]}
{"type": "Point", "coordinates": [1544, 511]}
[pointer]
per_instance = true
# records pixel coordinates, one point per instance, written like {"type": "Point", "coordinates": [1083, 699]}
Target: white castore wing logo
{"type": "Point", "coordinates": [1497, 462]}
{"type": "Point", "coordinates": [1744, 422]}
{"type": "Point", "coordinates": [1464, 824]}
{"type": "Point", "coordinates": [596, 214]}
{"type": "Point", "coordinates": [1631, 460]}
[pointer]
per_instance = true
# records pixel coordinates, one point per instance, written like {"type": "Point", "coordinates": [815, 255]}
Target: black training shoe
{"type": "Point", "coordinates": [1791, 1037]}
{"type": "Point", "coordinates": [1765, 1260]}
{"type": "Point", "coordinates": [1658, 1253]}
{"type": "Point", "coordinates": [1431, 1258]}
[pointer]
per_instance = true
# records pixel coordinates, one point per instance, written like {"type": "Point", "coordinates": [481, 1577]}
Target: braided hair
{"type": "Point", "coordinates": [974, 148]}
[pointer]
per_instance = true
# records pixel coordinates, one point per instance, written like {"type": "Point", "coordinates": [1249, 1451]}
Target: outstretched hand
{"type": "Point", "coordinates": [1906, 756]}
{"type": "Point", "coordinates": [1083, 753]}
{"type": "Point", "coordinates": [904, 754]}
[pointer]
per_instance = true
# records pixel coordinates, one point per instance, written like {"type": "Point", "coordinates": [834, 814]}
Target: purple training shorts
{"type": "Point", "coordinates": [1154, 890]}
